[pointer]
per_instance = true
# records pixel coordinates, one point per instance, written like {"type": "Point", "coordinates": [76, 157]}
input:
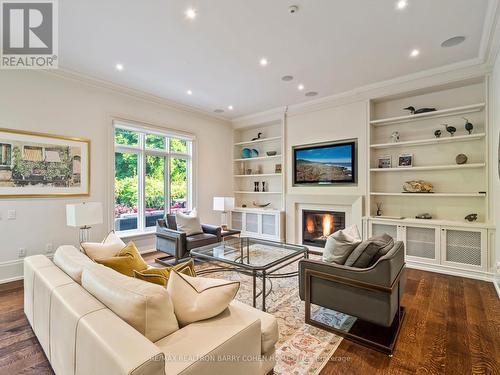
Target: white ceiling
{"type": "Point", "coordinates": [330, 46]}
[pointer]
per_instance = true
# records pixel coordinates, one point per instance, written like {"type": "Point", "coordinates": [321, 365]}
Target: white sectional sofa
{"type": "Point", "coordinates": [81, 335]}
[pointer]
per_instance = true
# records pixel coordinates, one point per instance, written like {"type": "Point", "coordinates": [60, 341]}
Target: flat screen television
{"type": "Point", "coordinates": [325, 164]}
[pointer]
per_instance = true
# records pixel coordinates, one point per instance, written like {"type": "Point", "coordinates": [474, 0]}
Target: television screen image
{"type": "Point", "coordinates": [325, 164]}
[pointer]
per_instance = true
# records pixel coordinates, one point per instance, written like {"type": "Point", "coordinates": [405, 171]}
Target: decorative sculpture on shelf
{"type": "Point", "coordinates": [417, 186]}
{"type": "Point", "coordinates": [468, 126]}
{"type": "Point", "coordinates": [379, 209]}
{"type": "Point", "coordinates": [425, 216]}
{"type": "Point", "coordinates": [414, 111]}
{"type": "Point", "coordinates": [461, 159]}
{"type": "Point", "coordinates": [471, 217]}
{"type": "Point", "coordinates": [260, 205]}
{"type": "Point", "coordinates": [263, 186]}
{"type": "Point", "coordinates": [450, 129]}
{"type": "Point", "coordinates": [395, 137]}
{"type": "Point", "coordinates": [256, 186]}
{"type": "Point", "coordinates": [437, 133]}
{"type": "Point", "coordinates": [258, 137]}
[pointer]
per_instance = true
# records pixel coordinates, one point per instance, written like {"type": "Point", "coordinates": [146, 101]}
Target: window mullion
{"type": "Point", "coordinates": [167, 177]}
{"type": "Point", "coordinates": [142, 185]}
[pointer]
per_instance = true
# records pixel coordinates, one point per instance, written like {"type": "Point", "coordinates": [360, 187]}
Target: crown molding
{"type": "Point", "coordinates": [134, 93]}
{"type": "Point", "coordinates": [260, 118]}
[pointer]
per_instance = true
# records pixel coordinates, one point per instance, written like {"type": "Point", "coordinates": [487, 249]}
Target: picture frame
{"type": "Point", "coordinates": [277, 168]}
{"type": "Point", "coordinates": [384, 162]}
{"type": "Point", "coordinates": [405, 160]}
{"type": "Point", "coordinates": [34, 165]}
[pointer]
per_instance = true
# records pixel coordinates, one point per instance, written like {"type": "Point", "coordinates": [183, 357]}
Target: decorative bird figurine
{"type": "Point", "coordinates": [414, 111]}
{"type": "Point", "coordinates": [450, 129]}
{"type": "Point", "coordinates": [468, 125]}
{"type": "Point", "coordinates": [437, 133]}
{"type": "Point", "coordinates": [258, 137]}
{"type": "Point", "coordinates": [471, 217]}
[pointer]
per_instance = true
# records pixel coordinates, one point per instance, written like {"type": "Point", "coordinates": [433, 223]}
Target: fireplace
{"type": "Point", "coordinates": [318, 225]}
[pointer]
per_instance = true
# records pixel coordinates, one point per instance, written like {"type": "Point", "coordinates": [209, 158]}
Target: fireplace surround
{"type": "Point", "coordinates": [317, 225]}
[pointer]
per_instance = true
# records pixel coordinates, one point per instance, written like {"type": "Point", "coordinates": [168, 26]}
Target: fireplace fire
{"type": "Point", "coordinates": [318, 225]}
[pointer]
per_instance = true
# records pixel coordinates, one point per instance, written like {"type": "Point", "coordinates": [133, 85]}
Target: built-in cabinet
{"type": "Point", "coordinates": [265, 224]}
{"type": "Point", "coordinates": [444, 245]}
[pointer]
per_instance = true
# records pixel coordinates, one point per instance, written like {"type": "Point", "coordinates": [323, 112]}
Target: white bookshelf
{"type": "Point", "coordinates": [258, 141]}
{"type": "Point", "coordinates": [431, 141]}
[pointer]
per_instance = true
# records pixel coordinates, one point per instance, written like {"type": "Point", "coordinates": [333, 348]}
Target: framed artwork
{"type": "Point", "coordinates": [405, 160]}
{"type": "Point", "coordinates": [384, 161]}
{"type": "Point", "coordinates": [43, 165]}
{"type": "Point", "coordinates": [277, 168]}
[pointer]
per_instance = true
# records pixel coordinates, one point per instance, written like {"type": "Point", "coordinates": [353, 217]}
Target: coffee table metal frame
{"type": "Point", "coordinates": [262, 272]}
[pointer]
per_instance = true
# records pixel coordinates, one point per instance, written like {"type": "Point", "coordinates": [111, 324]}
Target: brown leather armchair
{"type": "Point", "coordinates": [373, 295]}
{"type": "Point", "coordinates": [175, 243]}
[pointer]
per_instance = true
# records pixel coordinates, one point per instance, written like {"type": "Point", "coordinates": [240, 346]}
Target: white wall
{"type": "Point", "coordinates": [44, 102]}
{"type": "Point", "coordinates": [495, 137]}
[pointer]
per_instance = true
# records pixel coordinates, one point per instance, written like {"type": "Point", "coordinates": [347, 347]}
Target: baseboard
{"type": "Point", "coordinates": [11, 271]}
{"type": "Point", "coordinates": [497, 287]}
{"type": "Point", "coordinates": [484, 276]}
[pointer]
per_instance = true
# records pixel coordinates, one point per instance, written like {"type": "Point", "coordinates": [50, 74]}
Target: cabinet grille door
{"type": "Point", "coordinates": [236, 220]}
{"type": "Point", "coordinates": [379, 229]}
{"type": "Point", "coordinates": [463, 247]}
{"type": "Point", "coordinates": [421, 242]}
{"type": "Point", "coordinates": [269, 225]}
{"type": "Point", "coordinates": [252, 223]}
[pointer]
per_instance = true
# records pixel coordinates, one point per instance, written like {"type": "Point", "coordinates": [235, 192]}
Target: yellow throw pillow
{"type": "Point", "coordinates": [160, 275]}
{"type": "Point", "coordinates": [126, 261]}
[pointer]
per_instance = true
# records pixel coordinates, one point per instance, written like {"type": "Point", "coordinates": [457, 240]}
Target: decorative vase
{"type": "Point", "coordinates": [263, 186]}
{"type": "Point", "coordinates": [256, 186]}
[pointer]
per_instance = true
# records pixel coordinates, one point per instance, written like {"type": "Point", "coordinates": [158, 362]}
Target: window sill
{"type": "Point", "coordinates": [135, 234]}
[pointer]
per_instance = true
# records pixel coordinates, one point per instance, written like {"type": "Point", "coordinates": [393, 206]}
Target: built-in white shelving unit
{"type": "Point", "coordinates": [447, 242]}
{"type": "Point", "coordinates": [259, 158]}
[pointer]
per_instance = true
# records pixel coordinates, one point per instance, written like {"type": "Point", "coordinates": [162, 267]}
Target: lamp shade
{"type": "Point", "coordinates": [82, 214]}
{"type": "Point", "coordinates": [223, 204]}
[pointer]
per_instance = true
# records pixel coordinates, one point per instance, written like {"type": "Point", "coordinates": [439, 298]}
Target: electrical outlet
{"type": "Point", "coordinates": [11, 215]}
{"type": "Point", "coordinates": [49, 248]}
{"type": "Point", "coordinates": [22, 252]}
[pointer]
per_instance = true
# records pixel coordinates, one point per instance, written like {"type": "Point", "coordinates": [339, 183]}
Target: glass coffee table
{"type": "Point", "coordinates": [260, 259]}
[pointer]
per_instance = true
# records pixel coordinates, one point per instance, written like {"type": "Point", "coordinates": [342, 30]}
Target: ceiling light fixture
{"type": "Point", "coordinates": [230, 107]}
{"type": "Point", "coordinates": [452, 42]}
{"type": "Point", "coordinates": [401, 4]}
{"type": "Point", "coordinates": [287, 78]}
{"type": "Point", "coordinates": [311, 93]}
{"type": "Point", "coordinates": [415, 53]}
{"type": "Point", "coordinates": [263, 61]}
{"type": "Point", "coordinates": [190, 13]}
{"type": "Point", "coordinates": [218, 110]}
{"type": "Point", "coordinates": [300, 87]}
{"type": "Point", "coordinates": [119, 67]}
{"type": "Point", "coordinates": [189, 92]}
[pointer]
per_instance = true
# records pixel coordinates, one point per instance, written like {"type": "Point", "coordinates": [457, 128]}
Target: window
{"type": "Point", "coordinates": [152, 176]}
{"type": "Point", "coordinates": [5, 155]}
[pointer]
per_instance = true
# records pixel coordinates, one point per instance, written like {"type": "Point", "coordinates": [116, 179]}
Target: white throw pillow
{"type": "Point", "coordinates": [199, 298]}
{"type": "Point", "coordinates": [340, 245]}
{"type": "Point", "coordinates": [188, 223]}
{"type": "Point", "coordinates": [111, 246]}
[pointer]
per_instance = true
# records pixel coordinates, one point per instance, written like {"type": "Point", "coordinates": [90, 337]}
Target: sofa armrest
{"type": "Point", "coordinates": [108, 345]}
{"type": "Point", "coordinates": [212, 229]}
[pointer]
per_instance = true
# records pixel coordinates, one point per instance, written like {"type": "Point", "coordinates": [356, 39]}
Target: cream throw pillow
{"type": "Point", "coordinates": [199, 298]}
{"type": "Point", "coordinates": [111, 246]}
{"type": "Point", "coordinates": [145, 306]}
{"type": "Point", "coordinates": [190, 224]}
{"type": "Point", "coordinates": [341, 244]}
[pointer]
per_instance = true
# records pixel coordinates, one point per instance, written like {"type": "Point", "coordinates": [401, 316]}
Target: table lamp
{"type": "Point", "coordinates": [223, 205]}
{"type": "Point", "coordinates": [83, 215]}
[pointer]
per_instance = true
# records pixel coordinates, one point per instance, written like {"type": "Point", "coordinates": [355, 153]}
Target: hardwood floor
{"type": "Point", "coordinates": [452, 327]}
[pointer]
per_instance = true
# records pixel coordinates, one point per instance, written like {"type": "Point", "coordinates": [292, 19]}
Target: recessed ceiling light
{"type": "Point", "coordinates": [287, 78]}
{"type": "Point", "coordinates": [263, 61]}
{"type": "Point", "coordinates": [190, 13]}
{"type": "Point", "coordinates": [401, 4]}
{"type": "Point", "coordinates": [218, 110]}
{"type": "Point", "coordinates": [453, 41]}
{"type": "Point", "coordinates": [414, 53]}
{"type": "Point", "coordinates": [300, 87]}
{"type": "Point", "coordinates": [119, 67]}
{"type": "Point", "coordinates": [189, 92]}
{"type": "Point", "coordinates": [311, 93]}
{"type": "Point", "coordinates": [230, 107]}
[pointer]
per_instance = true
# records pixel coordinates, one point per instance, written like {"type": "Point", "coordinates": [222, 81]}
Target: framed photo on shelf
{"type": "Point", "coordinates": [405, 160]}
{"type": "Point", "coordinates": [43, 165]}
{"type": "Point", "coordinates": [384, 161]}
{"type": "Point", "coordinates": [277, 168]}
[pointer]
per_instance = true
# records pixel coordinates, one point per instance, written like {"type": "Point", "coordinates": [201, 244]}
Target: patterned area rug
{"type": "Point", "coordinates": [301, 349]}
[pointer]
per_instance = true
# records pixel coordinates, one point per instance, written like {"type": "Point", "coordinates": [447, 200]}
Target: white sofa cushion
{"type": "Point", "coordinates": [72, 262]}
{"type": "Point", "coordinates": [341, 244]}
{"type": "Point", "coordinates": [199, 298]}
{"type": "Point", "coordinates": [111, 246]}
{"type": "Point", "coordinates": [145, 306]}
{"type": "Point", "coordinates": [190, 224]}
